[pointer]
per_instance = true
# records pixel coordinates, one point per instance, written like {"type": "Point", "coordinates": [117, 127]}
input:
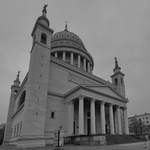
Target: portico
{"type": "Point", "coordinates": [93, 115]}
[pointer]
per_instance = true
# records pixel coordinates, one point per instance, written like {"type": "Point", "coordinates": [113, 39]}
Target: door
{"type": "Point", "coordinates": [88, 126]}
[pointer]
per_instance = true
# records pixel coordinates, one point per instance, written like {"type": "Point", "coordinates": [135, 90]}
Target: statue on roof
{"type": "Point", "coordinates": [66, 26]}
{"type": "Point", "coordinates": [117, 67]}
{"type": "Point", "coordinates": [116, 62]}
{"type": "Point", "coordinates": [18, 74]}
{"type": "Point", "coordinates": [44, 9]}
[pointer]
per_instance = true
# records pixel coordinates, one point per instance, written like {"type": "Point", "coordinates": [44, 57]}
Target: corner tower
{"type": "Point", "coordinates": [118, 79]}
{"type": "Point", "coordinates": [37, 84]}
{"type": "Point", "coordinates": [14, 90]}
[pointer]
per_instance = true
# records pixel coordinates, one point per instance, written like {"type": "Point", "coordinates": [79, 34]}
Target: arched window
{"type": "Point", "coordinates": [43, 38]}
{"type": "Point", "coordinates": [22, 99]}
{"type": "Point", "coordinates": [116, 81]}
{"type": "Point", "coordinates": [15, 92]}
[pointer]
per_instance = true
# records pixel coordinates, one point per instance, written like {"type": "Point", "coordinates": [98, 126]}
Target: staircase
{"type": "Point", "coordinates": [121, 139]}
{"type": "Point", "coordinates": [103, 139]}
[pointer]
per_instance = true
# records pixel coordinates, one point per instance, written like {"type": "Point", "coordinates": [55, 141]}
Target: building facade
{"type": "Point", "coordinates": [60, 90]}
{"type": "Point", "coordinates": [139, 124]}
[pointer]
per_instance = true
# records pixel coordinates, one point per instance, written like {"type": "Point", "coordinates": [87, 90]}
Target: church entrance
{"type": "Point", "coordinates": [88, 123]}
{"type": "Point", "coordinates": [88, 126]}
{"type": "Point", "coordinates": [74, 128]}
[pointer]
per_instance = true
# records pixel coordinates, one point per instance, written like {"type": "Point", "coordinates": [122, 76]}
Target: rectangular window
{"type": "Point", "coordinates": [52, 114]}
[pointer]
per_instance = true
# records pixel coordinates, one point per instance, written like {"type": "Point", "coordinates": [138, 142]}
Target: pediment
{"type": "Point", "coordinates": [105, 90]}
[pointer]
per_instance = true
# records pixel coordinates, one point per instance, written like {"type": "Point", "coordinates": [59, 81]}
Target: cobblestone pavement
{"type": "Point", "coordinates": [132, 146]}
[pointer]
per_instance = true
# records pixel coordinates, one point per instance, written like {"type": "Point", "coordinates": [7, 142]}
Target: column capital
{"type": "Point", "coordinates": [102, 102]}
{"type": "Point", "coordinates": [70, 102]}
{"type": "Point", "coordinates": [125, 108]}
{"type": "Point", "coordinates": [80, 96]}
{"type": "Point", "coordinates": [118, 107]}
{"type": "Point", "coordinates": [93, 99]}
{"type": "Point", "coordinates": [110, 104]}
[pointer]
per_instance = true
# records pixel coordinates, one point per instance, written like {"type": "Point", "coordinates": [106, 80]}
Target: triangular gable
{"type": "Point", "coordinates": [105, 90]}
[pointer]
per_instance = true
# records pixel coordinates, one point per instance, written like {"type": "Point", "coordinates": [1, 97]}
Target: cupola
{"type": "Point", "coordinates": [68, 46]}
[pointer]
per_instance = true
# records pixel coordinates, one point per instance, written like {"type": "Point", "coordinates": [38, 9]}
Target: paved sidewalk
{"type": "Point", "coordinates": [131, 146]}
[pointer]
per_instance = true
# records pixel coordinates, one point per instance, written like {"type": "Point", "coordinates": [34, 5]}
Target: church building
{"type": "Point", "coordinates": [61, 91]}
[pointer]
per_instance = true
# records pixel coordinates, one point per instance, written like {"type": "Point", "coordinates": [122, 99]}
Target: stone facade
{"type": "Point", "coordinates": [142, 122]}
{"type": "Point", "coordinates": [60, 90]}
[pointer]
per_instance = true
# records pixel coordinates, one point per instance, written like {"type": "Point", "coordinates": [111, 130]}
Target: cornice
{"type": "Point", "coordinates": [56, 94]}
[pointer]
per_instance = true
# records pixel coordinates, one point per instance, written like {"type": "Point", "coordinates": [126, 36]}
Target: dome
{"type": "Point", "coordinates": [67, 39]}
{"type": "Point", "coordinates": [43, 20]}
{"type": "Point", "coordinates": [68, 42]}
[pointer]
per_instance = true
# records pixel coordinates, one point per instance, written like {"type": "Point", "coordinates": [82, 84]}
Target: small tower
{"type": "Point", "coordinates": [14, 90]}
{"type": "Point", "coordinates": [41, 32]}
{"type": "Point", "coordinates": [118, 79]}
{"type": "Point", "coordinates": [15, 87]}
{"type": "Point", "coordinates": [37, 81]}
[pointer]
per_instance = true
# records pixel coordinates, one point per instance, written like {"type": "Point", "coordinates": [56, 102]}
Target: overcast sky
{"type": "Point", "coordinates": [108, 28]}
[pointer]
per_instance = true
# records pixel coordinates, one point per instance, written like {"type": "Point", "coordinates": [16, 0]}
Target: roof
{"type": "Point", "coordinates": [67, 39]}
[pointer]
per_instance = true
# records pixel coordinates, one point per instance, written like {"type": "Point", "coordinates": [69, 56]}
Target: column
{"type": "Point", "coordinates": [84, 64]}
{"type": "Point", "coordinates": [81, 115]}
{"type": "Point", "coordinates": [56, 54]}
{"type": "Point", "coordinates": [72, 58]}
{"type": "Point", "coordinates": [126, 121]}
{"type": "Point", "coordinates": [79, 61]}
{"type": "Point", "coordinates": [64, 56]}
{"type": "Point", "coordinates": [89, 67]}
{"type": "Point", "coordinates": [111, 117]}
{"type": "Point", "coordinates": [119, 120]}
{"type": "Point", "coordinates": [70, 117]}
{"type": "Point", "coordinates": [92, 110]}
{"type": "Point", "coordinates": [102, 105]}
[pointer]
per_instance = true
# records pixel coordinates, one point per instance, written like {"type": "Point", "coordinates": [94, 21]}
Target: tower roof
{"type": "Point", "coordinates": [42, 21]}
{"type": "Point", "coordinates": [17, 80]}
{"type": "Point", "coordinates": [117, 68]}
{"type": "Point", "coordinates": [43, 18]}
